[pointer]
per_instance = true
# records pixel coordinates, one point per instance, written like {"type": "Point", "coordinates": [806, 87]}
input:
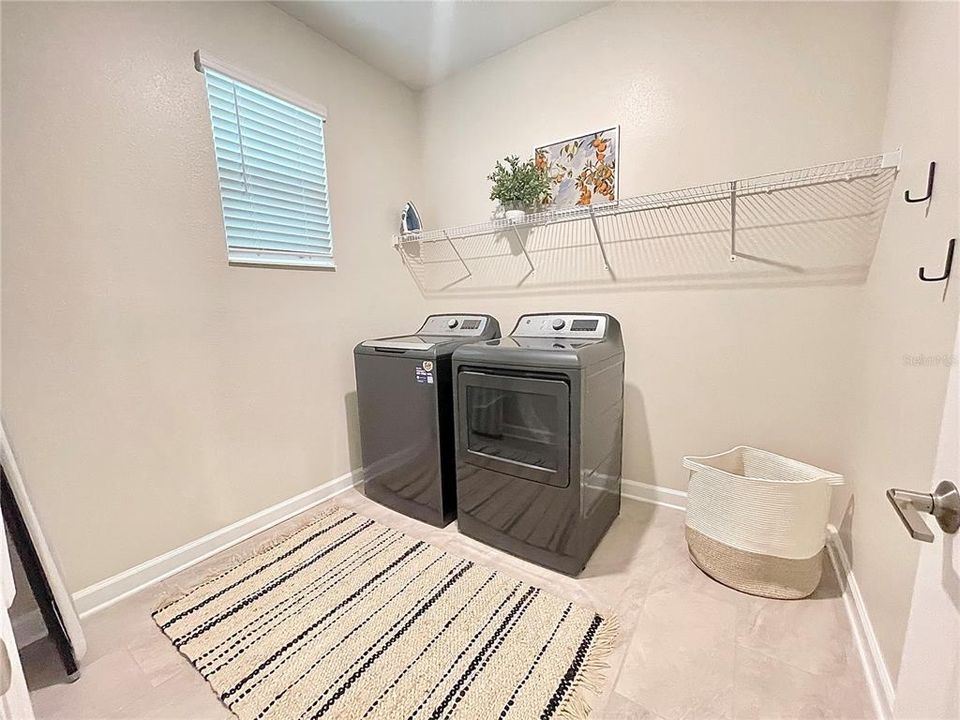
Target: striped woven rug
{"type": "Point", "coordinates": [347, 618]}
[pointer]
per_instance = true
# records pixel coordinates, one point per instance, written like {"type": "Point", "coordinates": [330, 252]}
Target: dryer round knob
{"type": "Point", "coordinates": [559, 323]}
{"type": "Point", "coordinates": [452, 323]}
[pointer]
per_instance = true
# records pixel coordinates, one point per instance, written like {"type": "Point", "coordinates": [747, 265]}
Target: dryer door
{"type": "Point", "coordinates": [519, 426]}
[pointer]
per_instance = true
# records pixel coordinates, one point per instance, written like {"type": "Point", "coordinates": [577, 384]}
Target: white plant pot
{"type": "Point", "coordinates": [515, 215]}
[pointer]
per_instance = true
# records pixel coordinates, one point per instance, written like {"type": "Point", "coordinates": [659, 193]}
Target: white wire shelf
{"type": "Point", "coordinates": [840, 193]}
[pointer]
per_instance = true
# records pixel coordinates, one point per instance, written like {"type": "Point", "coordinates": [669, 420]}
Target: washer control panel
{"type": "Point", "coordinates": [565, 325]}
{"type": "Point", "coordinates": [459, 325]}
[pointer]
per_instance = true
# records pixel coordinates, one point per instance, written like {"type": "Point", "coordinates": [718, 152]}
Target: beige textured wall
{"type": "Point", "coordinates": [702, 93]}
{"type": "Point", "coordinates": [907, 332]}
{"type": "Point", "coordinates": [152, 392]}
{"type": "Point", "coordinates": [711, 92]}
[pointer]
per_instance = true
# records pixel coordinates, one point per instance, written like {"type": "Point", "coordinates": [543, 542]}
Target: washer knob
{"type": "Point", "coordinates": [452, 323]}
{"type": "Point", "coordinates": [559, 323]}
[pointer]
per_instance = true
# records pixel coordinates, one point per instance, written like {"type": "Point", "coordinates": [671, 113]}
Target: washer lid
{"type": "Point", "coordinates": [408, 342]}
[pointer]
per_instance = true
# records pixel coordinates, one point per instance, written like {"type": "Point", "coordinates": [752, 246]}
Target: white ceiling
{"type": "Point", "coordinates": [422, 42]}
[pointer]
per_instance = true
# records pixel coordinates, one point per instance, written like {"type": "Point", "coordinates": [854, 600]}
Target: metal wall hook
{"type": "Point", "coordinates": [947, 266]}
{"type": "Point", "coordinates": [930, 174]}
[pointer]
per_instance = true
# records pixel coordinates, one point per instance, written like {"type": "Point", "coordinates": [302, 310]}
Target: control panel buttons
{"type": "Point", "coordinates": [583, 326]}
{"type": "Point", "coordinates": [454, 325]}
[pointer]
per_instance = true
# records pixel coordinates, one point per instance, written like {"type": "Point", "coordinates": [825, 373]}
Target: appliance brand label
{"type": "Point", "coordinates": [424, 373]}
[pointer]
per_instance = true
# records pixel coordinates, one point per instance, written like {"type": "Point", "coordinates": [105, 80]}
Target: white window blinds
{"type": "Point", "coordinates": [273, 177]}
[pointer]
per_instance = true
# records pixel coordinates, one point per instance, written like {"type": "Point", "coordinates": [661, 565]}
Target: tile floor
{"type": "Point", "coordinates": [690, 648]}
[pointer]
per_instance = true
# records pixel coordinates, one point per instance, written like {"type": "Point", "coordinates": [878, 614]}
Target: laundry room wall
{"type": "Point", "coordinates": [905, 327]}
{"type": "Point", "coordinates": [702, 93]}
{"type": "Point", "coordinates": [847, 376]}
{"type": "Point", "coordinates": [153, 393]}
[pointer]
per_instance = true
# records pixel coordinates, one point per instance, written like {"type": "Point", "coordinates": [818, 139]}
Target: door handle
{"type": "Point", "coordinates": [943, 503]}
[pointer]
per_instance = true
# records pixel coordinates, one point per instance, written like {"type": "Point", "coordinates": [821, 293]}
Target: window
{"type": "Point", "coordinates": [273, 177]}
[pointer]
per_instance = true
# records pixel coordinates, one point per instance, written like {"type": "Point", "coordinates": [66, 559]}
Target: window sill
{"type": "Point", "coordinates": [285, 262]}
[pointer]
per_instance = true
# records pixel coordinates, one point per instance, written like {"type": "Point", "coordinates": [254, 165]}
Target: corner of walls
{"type": "Point", "coordinates": [419, 195]}
{"type": "Point", "coordinates": [660, 110]}
{"type": "Point", "coordinates": [679, 128]}
{"type": "Point", "coordinates": [145, 381]}
{"type": "Point", "coordinates": [29, 625]}
{"type": "Point", "coordinates": [103, 594]}
{"type": "Point", "coordinates": [905, 329]}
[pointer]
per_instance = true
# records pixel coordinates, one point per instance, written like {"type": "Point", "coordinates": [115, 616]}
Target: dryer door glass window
{"type": "Point", "coordinates": [516, 425]}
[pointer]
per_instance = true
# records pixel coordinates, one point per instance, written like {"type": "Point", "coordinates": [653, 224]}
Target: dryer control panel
{"type": "Point", "coordinates": [566, 325]}
{"type": "Point", "coordinates": [456, 325]}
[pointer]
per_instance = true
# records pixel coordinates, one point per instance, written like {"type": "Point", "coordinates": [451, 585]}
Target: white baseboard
{"type": "Point", "coordinates": [113, 589]}
{"type": "Point", "coordinates": [30, 627]}
{"type": "Point", "coordinates": [875, 669]}
{"type": "Point", "coordinates": [106, 592]}
{"type": "Point", "coordinates": [667, 497]}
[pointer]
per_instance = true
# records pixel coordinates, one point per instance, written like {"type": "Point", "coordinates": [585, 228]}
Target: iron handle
{"type": "Point", "coordinates": [943, 503]}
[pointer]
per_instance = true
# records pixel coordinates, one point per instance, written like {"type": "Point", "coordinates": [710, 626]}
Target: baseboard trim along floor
{"type": "Point", "coordinates": [106, 592]}
{"type": "Point", "coordinates": [29, 627]}
{"type": "Point", "coordinates": [874, 667]}
{"type": "Point", "coordinates": [667, 497]}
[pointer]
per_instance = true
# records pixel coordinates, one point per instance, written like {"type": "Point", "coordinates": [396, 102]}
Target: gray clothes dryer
{"type": "Point", "coordinates": [405, 406]}
{"type": "Point", "coordinates": [540, 437]}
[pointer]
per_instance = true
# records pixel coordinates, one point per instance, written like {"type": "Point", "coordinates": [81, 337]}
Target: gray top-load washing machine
{"type": "Point", "coordinates": [405, 404]}
{"type": "Point", "coordinates": [539, 437]}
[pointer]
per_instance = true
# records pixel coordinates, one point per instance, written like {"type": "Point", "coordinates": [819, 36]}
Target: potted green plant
{"type": "Point", "coordinates": [519, 186]}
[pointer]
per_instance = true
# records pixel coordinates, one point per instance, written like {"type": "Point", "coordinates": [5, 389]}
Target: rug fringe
{"type": "Point", "coordinates": [171, 591]}
{"type": "Point", "coordinates": [592, 673]}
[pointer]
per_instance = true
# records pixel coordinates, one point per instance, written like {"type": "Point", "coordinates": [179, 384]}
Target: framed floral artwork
{"type": "Point", "coordinates": [582, 170]}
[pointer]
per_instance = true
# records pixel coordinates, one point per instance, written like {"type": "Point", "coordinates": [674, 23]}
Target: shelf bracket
{"type": "Point", "coordinates": [733, 221]}
{"type": "Point", "coordinates": [523, 249]}
{"type": "Point", "coordinates": [460, 258]}
{"type": "Point", "coordinates": [603, 250]}
{"type": "Point", "coordinates": [406, 264]}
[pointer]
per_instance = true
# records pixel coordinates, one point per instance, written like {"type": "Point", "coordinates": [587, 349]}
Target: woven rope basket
{"type": "Point", "coordinates": [756, 520]}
